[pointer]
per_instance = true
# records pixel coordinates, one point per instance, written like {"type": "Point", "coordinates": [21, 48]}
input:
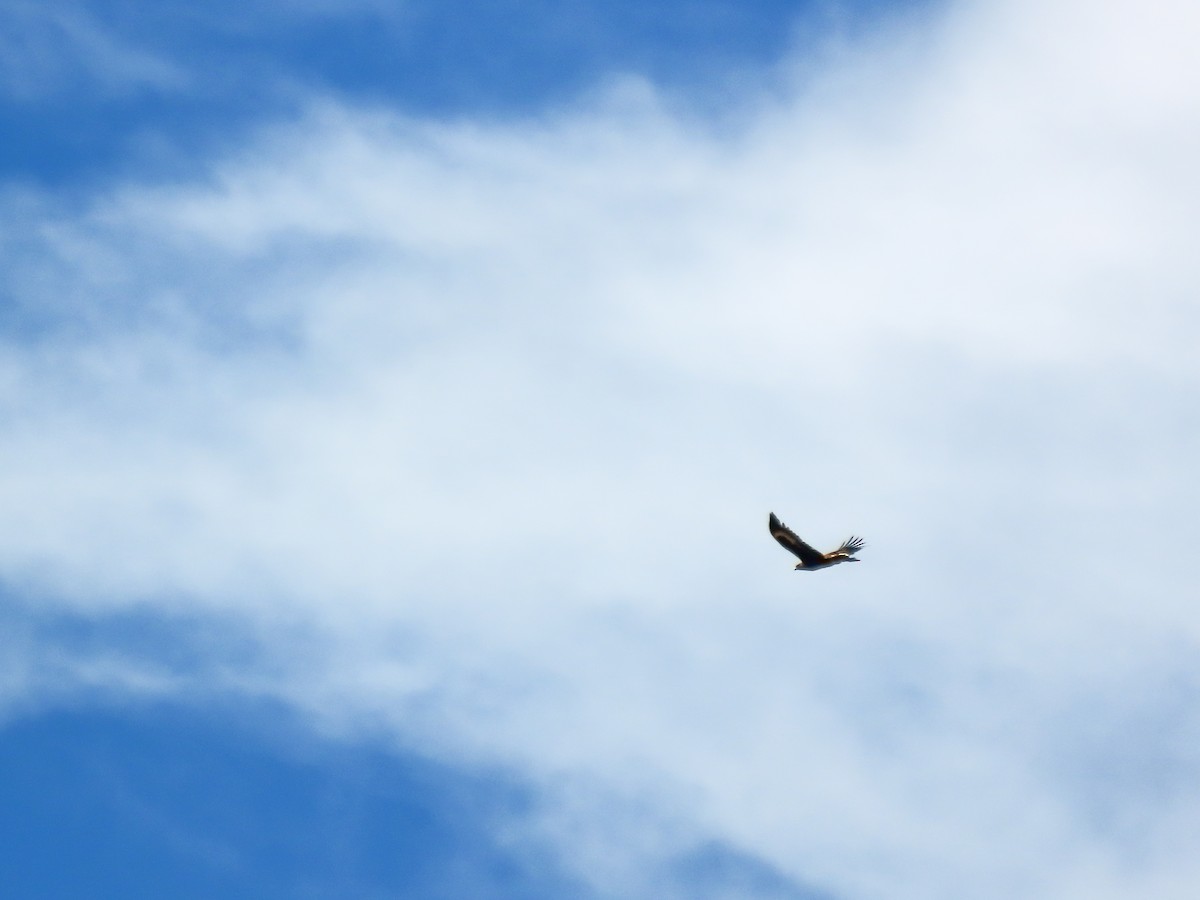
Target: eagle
{"type": "Point", "coordinates": [811, 559]}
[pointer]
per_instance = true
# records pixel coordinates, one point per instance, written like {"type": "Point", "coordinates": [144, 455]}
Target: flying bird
{"type": "Point", "coordinates": [811, 559]}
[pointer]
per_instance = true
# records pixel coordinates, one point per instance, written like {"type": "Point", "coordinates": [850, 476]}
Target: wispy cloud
{"type": "Point", "coordinates": [474, 427]}
{"type": "Point", "coordinates": [48, 48]}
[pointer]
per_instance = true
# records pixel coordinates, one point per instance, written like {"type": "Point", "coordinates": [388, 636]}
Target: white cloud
{"type": "Point", "coordinates": [476, 427]}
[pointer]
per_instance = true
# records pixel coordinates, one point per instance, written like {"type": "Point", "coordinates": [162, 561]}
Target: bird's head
{"type": "Point", "coordinates": [800, 567]}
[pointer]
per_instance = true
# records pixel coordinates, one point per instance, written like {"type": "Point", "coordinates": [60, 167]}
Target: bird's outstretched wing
{"type": "Point", "coordinates": [793, 544]}
{"type": "Point", "coordinates": [850, 546]}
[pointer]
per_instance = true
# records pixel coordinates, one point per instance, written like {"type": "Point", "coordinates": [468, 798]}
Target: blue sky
{"type": "Point", "coordinates": [393, 397]}
{"type": "Point", "coordinates": [97, 88]}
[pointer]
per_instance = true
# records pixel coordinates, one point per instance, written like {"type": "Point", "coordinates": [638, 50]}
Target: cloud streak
{"type": "Point", "coordinates": [46, 50]}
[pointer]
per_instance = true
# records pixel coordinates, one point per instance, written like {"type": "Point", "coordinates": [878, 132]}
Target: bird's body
{"type": "Point", "coordinates": [811, 559]}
